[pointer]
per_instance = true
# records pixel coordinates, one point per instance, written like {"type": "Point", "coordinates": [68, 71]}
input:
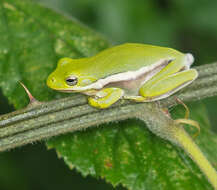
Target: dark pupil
{"type": "Point", "coordinates": [71, 81]}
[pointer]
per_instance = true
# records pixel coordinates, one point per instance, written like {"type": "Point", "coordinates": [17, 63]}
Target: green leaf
{"type": "Point", "coordinates": [32, 39]}
{"type": "Point", "coordinates": [129, 154]}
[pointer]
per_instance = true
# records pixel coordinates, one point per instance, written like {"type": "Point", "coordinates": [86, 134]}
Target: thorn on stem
{"type": "Point", "coordinates": [186, 120]}
{"type": "Point", "coordinates": [187, 112]}
{"type": "Point", "coordinates": [32, 100]}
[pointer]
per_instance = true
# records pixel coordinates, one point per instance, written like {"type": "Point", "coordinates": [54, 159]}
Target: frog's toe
{"type": "Point", "coordinates": [135, 98]}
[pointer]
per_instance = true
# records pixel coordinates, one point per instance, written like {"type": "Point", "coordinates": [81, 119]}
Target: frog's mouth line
{"type": "Point", "coordinates": [75, 91]}
{"type": "Point", "coordinates": [66, 91]}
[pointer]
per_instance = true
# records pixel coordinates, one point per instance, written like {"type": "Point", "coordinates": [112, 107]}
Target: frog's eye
{"type": "Point", "coordinates": [71, 81]}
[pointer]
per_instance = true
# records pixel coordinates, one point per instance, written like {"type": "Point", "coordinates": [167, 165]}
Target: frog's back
{"type": "Point", "coordinates": [130, 56]}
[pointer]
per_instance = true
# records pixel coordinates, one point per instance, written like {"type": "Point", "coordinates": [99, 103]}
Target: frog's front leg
{"type": "Point", "coordinates": [167, 86]}
{"type": "Point", "coordinates": [105, 97]}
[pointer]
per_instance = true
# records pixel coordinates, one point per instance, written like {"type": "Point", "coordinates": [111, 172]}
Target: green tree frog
{"type": "Point", "coordinates": [138, 72]}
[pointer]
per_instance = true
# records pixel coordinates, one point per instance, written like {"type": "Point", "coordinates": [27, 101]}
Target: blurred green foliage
{"type": "Point", "coordinates": [186, 25]}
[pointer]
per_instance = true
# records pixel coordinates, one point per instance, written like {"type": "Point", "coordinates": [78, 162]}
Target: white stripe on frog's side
{"type": "Point", "coordinates": [125, 76]}
{"type": "Point", "coordinates": [131, 75]}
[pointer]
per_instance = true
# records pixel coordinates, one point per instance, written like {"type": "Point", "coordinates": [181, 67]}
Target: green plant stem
{"type": "Point", "coordinates": [73, 114]}
{"type": "Point", "coordinates": [167, 128]}
{"type": "Point", "coordinates": [207, 70]}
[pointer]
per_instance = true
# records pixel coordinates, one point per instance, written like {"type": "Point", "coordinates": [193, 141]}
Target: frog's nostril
{"type": "Point", "coordinates": [53, 79]}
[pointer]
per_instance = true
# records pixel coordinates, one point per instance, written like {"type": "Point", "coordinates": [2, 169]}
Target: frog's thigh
{"type": "Point", "coordinates": [167, 86]}
{"type": "Point", "coordinates": [106, 97]}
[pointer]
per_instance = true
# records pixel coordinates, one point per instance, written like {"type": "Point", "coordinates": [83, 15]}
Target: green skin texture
{"type": "Point", "coordinates": [172, 76]}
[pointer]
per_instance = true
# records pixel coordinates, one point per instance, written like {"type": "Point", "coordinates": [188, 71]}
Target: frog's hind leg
{"type": "Point", "coordinates": [105, 97]}
{"type": "Point", "coordinates": [167, 86]}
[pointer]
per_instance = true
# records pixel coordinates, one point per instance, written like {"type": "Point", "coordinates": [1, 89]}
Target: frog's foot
{"type": "Point", "coordinates": [106, 97]}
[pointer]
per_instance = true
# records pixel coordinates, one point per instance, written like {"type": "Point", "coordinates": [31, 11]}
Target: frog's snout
{"type": "Point", "coordinates": [51, 81]}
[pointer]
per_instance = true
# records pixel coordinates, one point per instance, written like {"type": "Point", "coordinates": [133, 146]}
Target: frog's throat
{"type": "Point", "coordinates": [149, 71]}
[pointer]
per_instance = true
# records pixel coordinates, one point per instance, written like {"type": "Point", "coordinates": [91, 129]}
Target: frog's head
{"type": "Point", "coordinates": [70, 75]}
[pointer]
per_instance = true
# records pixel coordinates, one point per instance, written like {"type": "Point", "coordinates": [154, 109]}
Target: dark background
{"type": "Point", "coordinates": [189, 26]}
